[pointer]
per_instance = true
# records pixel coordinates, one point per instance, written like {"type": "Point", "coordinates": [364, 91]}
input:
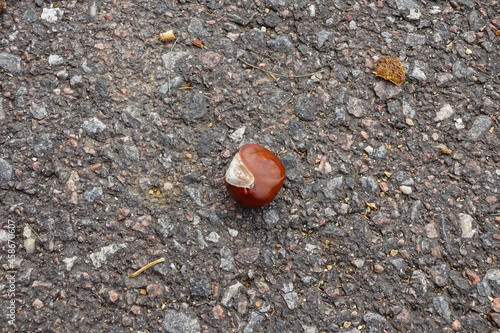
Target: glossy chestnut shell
{"type": "Point", "coordinates": [255, 176]}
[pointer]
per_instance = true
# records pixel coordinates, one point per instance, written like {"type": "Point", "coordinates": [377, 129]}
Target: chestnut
{"type": "Point", "coordinates": [255, 176]}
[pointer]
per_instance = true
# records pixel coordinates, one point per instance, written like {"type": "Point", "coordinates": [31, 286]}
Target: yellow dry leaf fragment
{"type": "Point", "coordinates": [372, 205]}
{"type": "Point", "coordinates": [391, 69]}
{"type": "Point", "coordinates": [347, 324]}
{"type": "Point", "coordinates": [446, 151]}
{"type": "Point", "coordinates": [167, 36]}
{"type": "Point", "coordinates": [394, 252]}
{"type": "Point", "coordinates": [329, 267]}
{"type": "Point", "coordinates": [388, 174]}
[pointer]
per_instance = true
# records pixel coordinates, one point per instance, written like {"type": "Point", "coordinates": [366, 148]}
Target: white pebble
{"type": "Point", "coordinates": [29, 245]}
{"type": "Point", "coordinates": [213, 237]}
{"type": "Point", "coordinates": [405, 189]}
{"type": "Point", "coordinates": [466, 225]}
{"type": "Point", "coordinates": [233, 232]}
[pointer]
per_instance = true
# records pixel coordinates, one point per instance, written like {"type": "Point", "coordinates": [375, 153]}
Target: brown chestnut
{"type": "Point", "coordinates": [255, 176]}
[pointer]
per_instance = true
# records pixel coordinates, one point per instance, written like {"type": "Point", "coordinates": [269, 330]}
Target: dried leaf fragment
{"type": "Point", "coordinates": [2, 4]}
{"type": "Point", "coordinates": [167, 36]}
{"type": "Point", "coordinates": [198, 43]}
{"type": "Point", "coordinates": [391, 69]}
{"type": "Point", "coordinates": [372, 205]}
{"type": "Point", "coordinates": [446, 151]}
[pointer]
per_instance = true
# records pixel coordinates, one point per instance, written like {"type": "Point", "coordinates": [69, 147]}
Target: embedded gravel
{"type": "Point", "coordinates": [114, 144]}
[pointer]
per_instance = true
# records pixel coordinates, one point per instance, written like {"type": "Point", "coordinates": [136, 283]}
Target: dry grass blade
{"type": "Point", "coordinates": [277, 74]}
{"type": "Point", "coordinates": [146, 267]}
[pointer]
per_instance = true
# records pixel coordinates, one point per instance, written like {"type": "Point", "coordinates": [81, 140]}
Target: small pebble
{"type": "Point", "coordinates": [378, 268]}
{"type": "Point", "coordinates": [113, 296]}
{"type": "Point", "coordinates": [38, 304]}
{"type": "Point", "coordinates": [456, 325]}
{"type": "Point", "coordinates": [29, 245]}
{"type": "Point", "coordinates": [405, 189]}
{"type": "Point", "coordinates": [496, 304]}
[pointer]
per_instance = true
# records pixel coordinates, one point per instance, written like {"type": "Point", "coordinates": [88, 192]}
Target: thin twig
{"type": "Point", "coordinates": [146, 267]}
{"type": "Point", "coordinates": [277, 74]}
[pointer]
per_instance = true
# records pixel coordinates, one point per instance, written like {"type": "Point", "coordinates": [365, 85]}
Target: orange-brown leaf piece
{"type": "Point", "coordinates": [391, 69]}
{"type": "Point", "coordinates": [2, 4]}
{"type": "Point", "coordinates": [198, 43]}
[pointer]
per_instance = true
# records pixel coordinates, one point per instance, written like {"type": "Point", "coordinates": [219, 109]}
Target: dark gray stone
{"type": "Point", "coordinates": [130, 153]}
{"type": "Point", "coordinates": [276, 4]}
{"type": "Point", "coordinates": [356, 107]}
{"type": "Point", "coordinates": [93, 194]}
{"type": "Point", "coordinates": [178, 322]}
{"type": "Point", "coordinates": [101, 89]}
{"type": "Point", "coordinates": [297, 130]}
{"type": "Point", "coordinates": [333, 187]}
{"type": "Point", "coordinates": [271, 217]}
{"type": "Point", "coordinates": [304, 108]}
{"type": "Point", "coordinates": [226, 259]}
{"type": "Point", "coordinates": [171, 58]}
{"type": "Point", "coordinates": [291, 299]}
{"type": "Point", "coordinates": [253, 323]}
{"type": "Point", "coordinates": [460, 71]}
{"type": "Point", "coordinates": [76, 81]}
{"type": "Point", "coordinates": [419, 282]}
{"type": "Point", "coordinates": [30, 16]}
{"type": "Point", "coordinates": [2, 112]}
{"type": "Point", "coordinates": [322, 37]}
{"type": "Point", "coordinates": [280, 44]}
{"type": "Point", "coordinates": [459, 281]}
{"type": "Point", "coordinates": [164, 227]}
{"type": "Point", "coordinates": [440, 275]}
{"type": "Point", "coordinates": [10, 63]}
{"type": "Point", "coordinates": [196, 110]}
{"type": "Point", "coordinates": [414, 40]}
{"type": "Point", "coordinates": [407, 5]}
{"type": "Point", "coordinates": [480, 125]}
{"type": "Point", "coordinates": [400, 265]}
{"type": "Point", "coordinates": [5, 171]}
{"type": "Point", "coordinates": [483, 289]}
{"type": "Point", "coordinates": [419, 70]}
{"type": "Point", "coordinates": [205, 145]}
{"type": "Point", "coordinates": [272, 20]}
{"type": "Point", "coordinates": [95, 128]}
{"type": "Point", "coordinates": [199, 286]}
{"type": "Point", "coordinates": [38, 111]}
{"type": "Point", "coordinates": [196, 28]}
{"type": "Point", "coordinates": [476, 21]}
{"type": "Point", "coordinates": [370, 184]}
{"type": "Point", "coordinates": [442, 307]}
{"type": "Point", "coordinates": [373, 318]}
